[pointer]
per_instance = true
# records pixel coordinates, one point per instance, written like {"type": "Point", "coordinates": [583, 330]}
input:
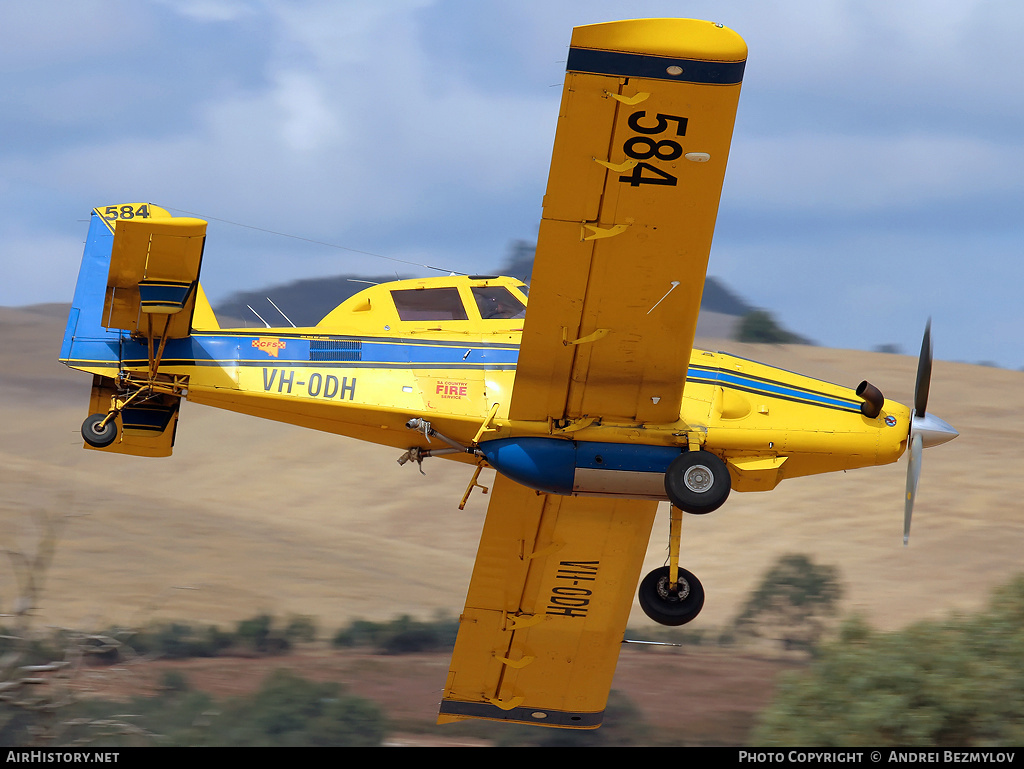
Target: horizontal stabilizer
{"type": "Point", "coordinates": [145, 428]}
{"type": "Point", "coordinates": [164, 297]}
{"type": "Point", "coordinates": [154, 271]}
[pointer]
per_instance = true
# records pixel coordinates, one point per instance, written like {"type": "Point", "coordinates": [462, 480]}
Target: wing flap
{"type": "Point", "coordinates": [547, 607]}
{"type": "Point", "coordinates": [636, 175]}
{"type": "Point", "coordinates": [154, 271]}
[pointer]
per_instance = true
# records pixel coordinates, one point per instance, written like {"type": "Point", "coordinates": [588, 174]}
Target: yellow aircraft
{"type": "Point", "coordinates": [591, 406]}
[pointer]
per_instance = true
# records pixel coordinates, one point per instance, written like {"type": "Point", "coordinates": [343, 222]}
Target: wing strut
{"type": "Point", "coordinates": [154, 360]}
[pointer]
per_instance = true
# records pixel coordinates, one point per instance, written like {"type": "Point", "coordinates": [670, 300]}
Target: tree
{"type": "Point", "coordinates": [959, 682]}
{"type": "Point", "coordinates": [301, 628]}
{"type": "Point", "coordinates": [258, 633]}
{"type": "Point", "coordinates": [402, 635]}
{"type": "Point", "coordinates": [291, 711]}
{"type": "Point", "coordinates": [793, 604]}
{"type": "Point", "coordinates": [760, 327]}
{"type": "Point", "coordinates": [33, 677]}
{"type": "Point", "coordinates": [37, 670]}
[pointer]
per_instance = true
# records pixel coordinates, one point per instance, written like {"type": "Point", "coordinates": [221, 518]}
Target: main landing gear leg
{"type": "Point", "coordinates": [672, 595]}
{"type": "Point", "coordinates": [675, 535]}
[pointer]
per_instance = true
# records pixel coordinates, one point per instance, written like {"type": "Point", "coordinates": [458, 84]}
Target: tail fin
{"type": "Point", "coordinates": [203, 318]}
{"type": "Point", "coordinates": [87, 344]}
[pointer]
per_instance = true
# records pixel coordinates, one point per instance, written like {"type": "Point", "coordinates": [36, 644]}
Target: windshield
{"type": "Point", "coordinates": [497, 302]}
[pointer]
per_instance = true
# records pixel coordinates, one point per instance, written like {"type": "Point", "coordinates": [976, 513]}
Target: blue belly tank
{"type": "Point", "coordinates": [558, 466]}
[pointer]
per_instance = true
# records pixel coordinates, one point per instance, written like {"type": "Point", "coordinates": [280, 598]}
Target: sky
{"type": "Point", "coordinates": [876, 177]}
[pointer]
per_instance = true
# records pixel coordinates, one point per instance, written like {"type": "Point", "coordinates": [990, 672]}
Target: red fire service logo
{"type": "Point", "coordinates": [449, 389]}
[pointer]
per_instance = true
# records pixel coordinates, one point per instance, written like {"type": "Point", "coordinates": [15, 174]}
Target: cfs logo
{"type": "Point", "coordinates": [269, 345]}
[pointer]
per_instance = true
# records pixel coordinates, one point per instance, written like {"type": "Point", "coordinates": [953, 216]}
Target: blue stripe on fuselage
{"type": "Point", "coordinates": [212, 349]}
{"type": "Point", "coordinates": [761, 386]}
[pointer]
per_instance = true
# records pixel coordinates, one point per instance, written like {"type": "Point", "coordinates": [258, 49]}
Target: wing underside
{"type": "Point", "coordinates": [547, 608]}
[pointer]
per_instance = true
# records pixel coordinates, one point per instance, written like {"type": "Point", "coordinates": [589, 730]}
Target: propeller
{"type": "Point", "coordinates": [925, 429]}
{"type": "Point", "coordinates": [924, 372]}
{"type": "Point", "coordinates": [913, 476]}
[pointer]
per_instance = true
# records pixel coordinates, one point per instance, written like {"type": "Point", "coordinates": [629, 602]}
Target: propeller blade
{"type": "Point", "coordinates": [924, 372]}
{"type": "Point", "coordinates": [913, 476]}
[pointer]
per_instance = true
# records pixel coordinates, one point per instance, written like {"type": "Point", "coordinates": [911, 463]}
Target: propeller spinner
{"type": "Point", "coordinates": [925, 429]}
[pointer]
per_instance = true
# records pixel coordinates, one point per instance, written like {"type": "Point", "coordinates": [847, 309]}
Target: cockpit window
{"type": "Point", "coordinates": [429, 304]}
{"type": "Point", "coordinates": [497, 302]}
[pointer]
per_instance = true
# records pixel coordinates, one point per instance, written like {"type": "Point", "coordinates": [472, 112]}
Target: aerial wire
{"type": "Point", "coordinates": [316, 242]}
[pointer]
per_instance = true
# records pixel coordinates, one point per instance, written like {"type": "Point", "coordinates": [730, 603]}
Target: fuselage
{"type": "Point", "coordinates": [425, 349]}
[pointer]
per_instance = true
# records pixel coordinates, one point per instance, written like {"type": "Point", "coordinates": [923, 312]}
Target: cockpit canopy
{"type": "Point", "coordinates": [456, 303]}
{"type": "Point", "coordinates": [492, 302]}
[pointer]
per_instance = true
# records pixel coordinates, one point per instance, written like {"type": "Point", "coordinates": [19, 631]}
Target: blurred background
{"type": "Point", "coordinates": [874, 182]}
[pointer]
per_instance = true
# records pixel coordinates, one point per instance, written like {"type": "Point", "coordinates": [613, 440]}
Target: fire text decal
{"type": "Point", "coordinates": [451, 390]}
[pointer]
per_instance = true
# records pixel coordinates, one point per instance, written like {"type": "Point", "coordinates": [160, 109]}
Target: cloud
{"type": "Point", "coordinates": [423, 129]}
{"type": "Point", "coordinates": [210, 10]}
{"type": "Point", "coordinates": [24, 253]}
{"type": "Point", "coordinates": [49, 33]}
{"type": "Point", "coordinates": [851, 174]}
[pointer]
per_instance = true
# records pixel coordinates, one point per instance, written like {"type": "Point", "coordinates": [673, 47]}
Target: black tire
{"type": "Point", "coordinates": [697, 482]}
{"type": "Point", "coordinates": [671, 607]}
{"type": "Point", "coordinates": [97, 436]}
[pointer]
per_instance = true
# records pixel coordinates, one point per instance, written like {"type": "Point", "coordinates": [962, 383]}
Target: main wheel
{"type": "Point", "coordinates": [697, 482]}
{"type": "Point", "coordinates": [96, 433]}
{"type": "Point", "coordinates": [667, 606]}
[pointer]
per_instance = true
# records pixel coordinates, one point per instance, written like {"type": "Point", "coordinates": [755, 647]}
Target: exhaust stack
{"type": "Point", "coordinates": [873, 399]}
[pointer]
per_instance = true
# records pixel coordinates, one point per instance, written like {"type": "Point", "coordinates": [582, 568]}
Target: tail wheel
{"type": "Point", "coordinates": [96, 433]}
{"type": "Point", "coordinates": [669, 605]}
{"type": "Point", "coordinates": [697, 482]}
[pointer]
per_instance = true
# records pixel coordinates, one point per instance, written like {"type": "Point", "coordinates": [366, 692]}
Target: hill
{"type": "Point", "coordinates": [251, 516]}
{"type": "Point", "coordinates": [306, 302]}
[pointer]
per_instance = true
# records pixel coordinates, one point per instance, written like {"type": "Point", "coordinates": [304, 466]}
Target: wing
{"type": "Point", "coordinates": [154, 271]}
{"type": "Point", "coordinates": [636, 174]}
{"type": "Point", "coordinates": [547, 608]}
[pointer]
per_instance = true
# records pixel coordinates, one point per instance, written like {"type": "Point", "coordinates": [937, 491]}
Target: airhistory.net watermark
{"type": "Point", "coordinates": [62, 756]}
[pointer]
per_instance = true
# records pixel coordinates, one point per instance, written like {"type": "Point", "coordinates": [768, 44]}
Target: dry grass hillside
{"type": "Point", "coordinates": [251, 516]}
